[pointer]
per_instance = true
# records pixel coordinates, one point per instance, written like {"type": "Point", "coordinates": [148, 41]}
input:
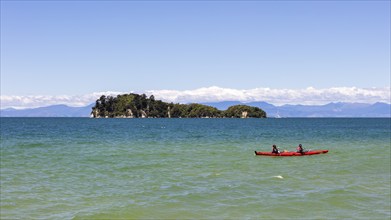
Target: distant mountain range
{"type": "Point", "coordinates": [339, 109]}
{"type": "Point", "coordinates": [49, 111]}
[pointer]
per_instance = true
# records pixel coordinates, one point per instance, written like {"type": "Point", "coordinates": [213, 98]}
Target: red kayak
{"type": "Point", "coordinates": [290, 154]}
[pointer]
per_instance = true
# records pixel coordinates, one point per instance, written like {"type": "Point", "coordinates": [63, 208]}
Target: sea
{"type": "Point", "coordinates": [84, 168]}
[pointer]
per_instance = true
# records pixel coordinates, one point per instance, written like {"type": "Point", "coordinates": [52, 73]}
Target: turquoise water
{"type": "Point", "coordinates": [80, 168]}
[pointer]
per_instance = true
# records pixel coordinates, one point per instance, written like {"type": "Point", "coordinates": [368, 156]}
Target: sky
{"type": "Point", "coordinates": [283, 52]}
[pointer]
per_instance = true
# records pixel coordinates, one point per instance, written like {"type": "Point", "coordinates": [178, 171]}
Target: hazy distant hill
{"type": "Point", "coordinates": [339, 109]}
{"type": "Point", "coordinates": [49, 111]}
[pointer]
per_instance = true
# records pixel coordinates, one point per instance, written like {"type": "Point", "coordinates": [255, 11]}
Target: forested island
{"type": "Point", "coordinates": [140, 106]}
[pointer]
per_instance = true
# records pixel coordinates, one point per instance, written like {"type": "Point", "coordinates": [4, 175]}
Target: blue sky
{"type": "Point", "coordinates": [75, 48]}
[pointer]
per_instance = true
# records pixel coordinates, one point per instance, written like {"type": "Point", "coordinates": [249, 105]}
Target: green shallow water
{"type": "Point", "coordinates": [80, 168]}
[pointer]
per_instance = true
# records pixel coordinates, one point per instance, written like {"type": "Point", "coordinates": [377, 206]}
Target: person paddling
{"type": "Point", "coordinates": [275, 150]}
{"type": "Point", "coordinates": [300, 149]}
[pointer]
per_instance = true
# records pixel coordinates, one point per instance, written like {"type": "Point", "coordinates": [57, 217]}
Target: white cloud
{"type": "Point", "coordinates": [305, 96]}
{"type": "Point", "coordinates": [21, 102]}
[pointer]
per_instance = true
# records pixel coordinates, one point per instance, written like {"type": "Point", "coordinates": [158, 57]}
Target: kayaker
{"type": "Point", "coordinates": [275, 150]}
{"type": "Point", "coordinates": [300, 149]}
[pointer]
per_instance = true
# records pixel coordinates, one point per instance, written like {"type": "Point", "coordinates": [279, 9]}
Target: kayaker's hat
{"type": "Point", "coordinates": [274, 145]}
{"type": "Point", "coordinates": [299, 145]}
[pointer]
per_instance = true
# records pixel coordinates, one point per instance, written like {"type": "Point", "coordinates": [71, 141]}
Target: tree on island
{"type": "Point", "coordinates": [140, 106]}
{"type": "Point", "coordinates": [244, 111]}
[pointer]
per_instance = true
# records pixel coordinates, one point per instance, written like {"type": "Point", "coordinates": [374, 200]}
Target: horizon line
{"type": "Point", "coordinates": [203, 103]}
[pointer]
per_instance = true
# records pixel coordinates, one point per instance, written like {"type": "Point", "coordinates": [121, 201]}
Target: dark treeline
{"type": "Point", "coordinates": [140, 106]}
